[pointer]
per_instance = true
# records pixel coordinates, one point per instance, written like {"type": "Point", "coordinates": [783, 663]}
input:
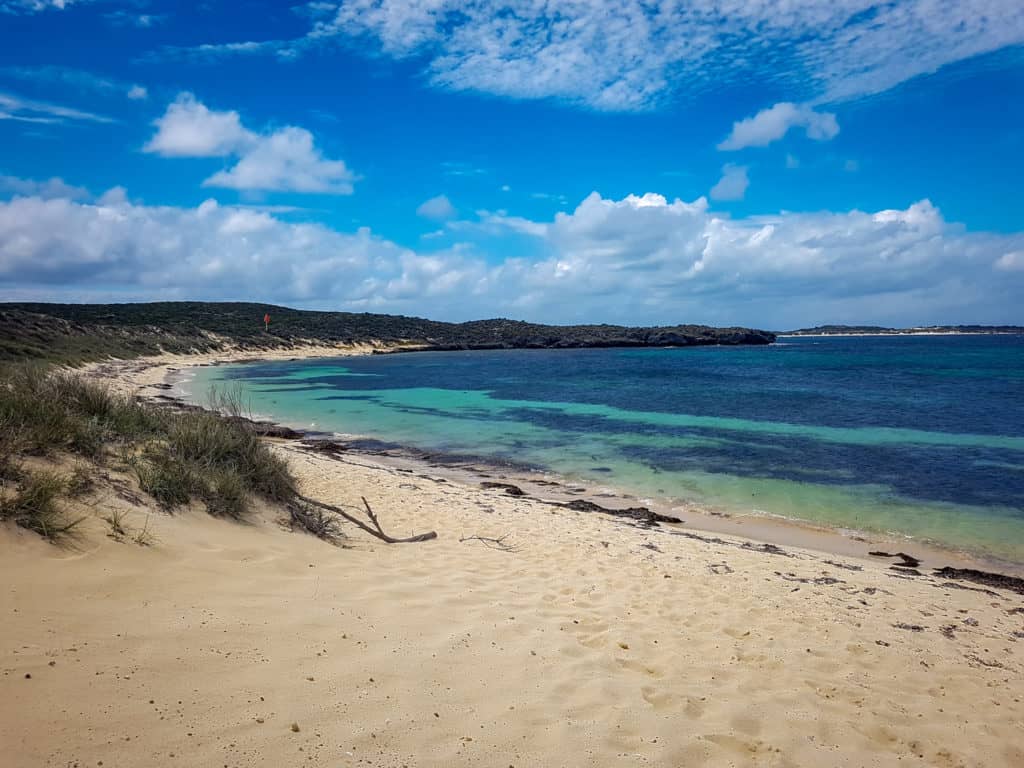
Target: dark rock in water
{"type": "Point", "coordinates": [998, 580]}
{"type": "Point", "coordinates": [641, 514]}
{"type": "Point", "coordinates": [269, 429]}
{"type": "Point", "coordinates": [161, 386]}
{"type": "Point", "coordinates": [909, 561]}
{"type": "Point", "coordinates": [511, 490]}
{"type": "Point", "coordinates": [329, 447]}
{"type": "Point", "coordinates": [266, 428]}
{"type": "Point", "coordinates": [600, 469]}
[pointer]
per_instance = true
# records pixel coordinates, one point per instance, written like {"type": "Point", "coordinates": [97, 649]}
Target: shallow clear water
{"type": "Point", "coordinates": [922, 435]}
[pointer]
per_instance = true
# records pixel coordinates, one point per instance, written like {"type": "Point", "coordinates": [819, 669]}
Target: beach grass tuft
{"type": "Point", "coordinates": [33, 504]}
{"type": "Point", "coordinates": [216, 458]}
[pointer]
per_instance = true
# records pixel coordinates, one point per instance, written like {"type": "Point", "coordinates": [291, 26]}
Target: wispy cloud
{"type": "Point", "coordinates": [627, 55]}
{"type": "Point", "coordinates": [78, 79]}
{"type": "Point", "coordinates": [315, 10]}
{"type": "Point", "coordinates": [14, 107]}
{"type": "Point", "coordinates": [452, 168]}
{"type": "Point", "coordinates": [122, 18]}
{"type": "Point", "coordinates": [633, 54]}
{"type": "Point", "coordinates": [34, 6]}
{"type": "Point", "coordinates": [213, 52]}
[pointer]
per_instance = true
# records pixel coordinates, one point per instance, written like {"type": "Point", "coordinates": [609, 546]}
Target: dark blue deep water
{"type": "Point", "coordinates": [918, 435]}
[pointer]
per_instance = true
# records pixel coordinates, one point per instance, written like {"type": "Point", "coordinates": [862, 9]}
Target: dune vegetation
{"type": "Point", "coordinates": [50, 419]}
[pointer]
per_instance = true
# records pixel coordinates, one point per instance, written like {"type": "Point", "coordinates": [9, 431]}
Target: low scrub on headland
{"type": "Point", "coordinates": [177, 456]}
{"type": "Point", "coordinates": [71, 333]}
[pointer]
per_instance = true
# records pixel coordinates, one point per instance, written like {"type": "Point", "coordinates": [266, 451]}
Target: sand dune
{"type": "Point", "coordinates": [592, 643]}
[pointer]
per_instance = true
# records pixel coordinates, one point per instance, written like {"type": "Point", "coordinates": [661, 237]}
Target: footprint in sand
{"type": "Point", "coordinates": [659, 700]}
{"type": "Point", "coordinates": [644, 669]}
{"type": "Point", "coordinates": [739, 746]}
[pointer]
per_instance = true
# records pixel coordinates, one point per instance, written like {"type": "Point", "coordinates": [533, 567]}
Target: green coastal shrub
{"type": "Point", "coordinates": [171, 483]}
{"type": "Point", "coordinates": [226, 494]}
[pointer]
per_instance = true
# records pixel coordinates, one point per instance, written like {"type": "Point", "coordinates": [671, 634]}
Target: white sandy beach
{"type": "Point", "coordinates": [591, 642]}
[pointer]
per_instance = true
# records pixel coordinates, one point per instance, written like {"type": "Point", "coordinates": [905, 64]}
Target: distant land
{"type": "Point", "coordinates": [924, 330]}
{"type": "Point", "coordinates": [80, 332]}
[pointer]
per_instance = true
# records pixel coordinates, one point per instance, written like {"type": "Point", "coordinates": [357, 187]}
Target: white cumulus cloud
{"type": "Point", "coordinates": [286, 159]}
{"type": "Point", "coordinates": [47, 189]}
{"type": "Point", "coordinates": [1011, 262]}
{"type": "Point", "coordinates": [773, 123]}
{"type": "Point", "coordinates": [437, 208]}
{"type": "Point", "coordinates": [733, 184]}
{"type": "Point", "coordinates": [189, 129]}
{"type": "Point", "coordinates": [639, 259]}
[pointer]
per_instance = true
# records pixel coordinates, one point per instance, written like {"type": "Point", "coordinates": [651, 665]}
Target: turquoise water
{"type": "Point", "coordinates": [922, 436]}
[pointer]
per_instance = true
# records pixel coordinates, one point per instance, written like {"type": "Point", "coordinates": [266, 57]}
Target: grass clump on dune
{"type": "Point", "coordinates": [45, 410]}
{"type": "Point", "coordinates": [177, 456]}
{"type": "Point", "coordinates": [33, 504]}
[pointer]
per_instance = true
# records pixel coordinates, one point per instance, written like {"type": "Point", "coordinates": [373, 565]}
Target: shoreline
{"type": "Point", "coordinates": [526, 634]}
{"type": "Point", "coordinates": [898, 333]}
{"type": "Point", "coordinates": [164, 378]}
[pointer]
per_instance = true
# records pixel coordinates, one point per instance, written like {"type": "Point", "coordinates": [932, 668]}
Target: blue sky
{"type": "Point", "coordinates": [624, 161]}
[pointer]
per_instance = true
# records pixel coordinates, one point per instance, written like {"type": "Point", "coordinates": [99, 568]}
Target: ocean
{"type": "Point", "coordinates": [917, 436]}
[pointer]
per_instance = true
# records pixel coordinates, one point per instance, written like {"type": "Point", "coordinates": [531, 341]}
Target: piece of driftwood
{"type": "Point", "coordinates": [491, 543]}
{"type": "Point", "coordinates": [908, 561]}
{"type": "Point", "coordinates": [376, 530]}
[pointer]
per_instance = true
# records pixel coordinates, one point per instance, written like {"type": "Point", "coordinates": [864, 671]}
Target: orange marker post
{"type": "Point", "coordinates": [266, 322]}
